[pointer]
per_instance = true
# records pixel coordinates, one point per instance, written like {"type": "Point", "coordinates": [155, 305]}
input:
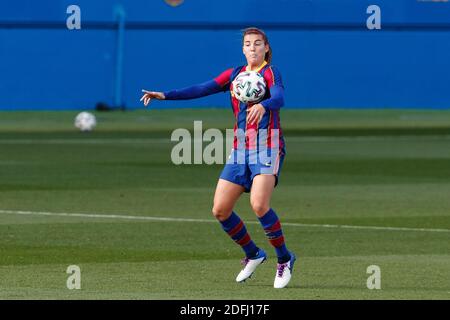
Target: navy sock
{"type": "Point", "coordinates": [236, 229]}
{"type": "Point", "coordinates": [274, 233]}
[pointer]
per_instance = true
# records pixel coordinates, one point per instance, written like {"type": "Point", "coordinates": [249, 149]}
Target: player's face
{"type": "Point", "coordinates": [255, 49]}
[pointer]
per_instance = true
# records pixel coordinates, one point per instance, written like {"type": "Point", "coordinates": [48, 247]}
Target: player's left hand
{"type": "Point", "coordinates": [255, 113]}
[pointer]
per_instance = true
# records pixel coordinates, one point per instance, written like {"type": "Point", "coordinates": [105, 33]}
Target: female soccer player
{"type": "Point", "coordinates": [247, 176]}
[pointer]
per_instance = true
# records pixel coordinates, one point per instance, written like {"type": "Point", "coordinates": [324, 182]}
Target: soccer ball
{"type": "Point", "coordinates": [249, 86]}
{"type": "Point", "coordinates": [85, 121]}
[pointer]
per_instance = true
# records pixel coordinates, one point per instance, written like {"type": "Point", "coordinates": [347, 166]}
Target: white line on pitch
{"type": "Point", "coordinates": [168, 219]}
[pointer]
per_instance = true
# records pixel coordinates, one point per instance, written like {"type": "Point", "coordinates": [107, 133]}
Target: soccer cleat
{"type": "Point", "coordinates": [250, 266]}
{"type": "Point", "coordinates": [284, 273]}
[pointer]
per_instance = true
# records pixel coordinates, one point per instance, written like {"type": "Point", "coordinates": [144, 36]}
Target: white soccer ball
{"type": "Point", "coordinates": [85, 121]}
{"type": "Point", "coordinates": [249, 86]}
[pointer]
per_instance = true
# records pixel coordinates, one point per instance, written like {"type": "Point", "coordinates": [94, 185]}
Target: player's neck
{"type": "Point", "coordinates": [258, 67]}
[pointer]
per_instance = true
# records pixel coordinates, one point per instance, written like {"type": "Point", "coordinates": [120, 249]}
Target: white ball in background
{"type": "Point", "coordinates": [85, 121]}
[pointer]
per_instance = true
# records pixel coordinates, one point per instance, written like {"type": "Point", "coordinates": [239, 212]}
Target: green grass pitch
{"type": "Point", "coordinates": [358, 188]}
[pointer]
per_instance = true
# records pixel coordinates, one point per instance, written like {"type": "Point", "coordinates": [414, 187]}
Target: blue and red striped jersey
{"type": "Point", "coordinates": [272, 102]}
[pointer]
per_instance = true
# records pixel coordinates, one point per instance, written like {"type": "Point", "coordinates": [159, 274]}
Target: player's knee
{"type": "Point", "coordinates": [220, 212]}
{"type": "Point", "coordinates": [259, 208]}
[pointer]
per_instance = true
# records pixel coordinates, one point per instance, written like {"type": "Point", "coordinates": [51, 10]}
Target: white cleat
{"type": "Point", "coordinates": [250, 266]}
{"type": "Point", "coordinates": [284, 273]}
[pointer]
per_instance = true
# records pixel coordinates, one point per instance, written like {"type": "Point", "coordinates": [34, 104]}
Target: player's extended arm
{"type": "Point", "coordinates": [192, 92]}
{"type": "Point", "coordinates": [196, 91]}
{"type": "Point", "coordinates": [207, 88]}
{"type": "Point", "coordinates": [276, 100]}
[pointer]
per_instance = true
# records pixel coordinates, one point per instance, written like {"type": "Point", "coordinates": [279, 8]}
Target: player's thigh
{"type": "Point", "coordinates": [261, 192]}
{"type": "Point", "coordinates": [225, 197]}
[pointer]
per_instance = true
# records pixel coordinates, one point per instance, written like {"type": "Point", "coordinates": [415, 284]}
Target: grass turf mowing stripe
{"type": "Point", "coordinates": [89, 140]}
{"type": "Point", "coordinates": [83, 141]}
{"type": "Point", "coordinates": [170, 219]}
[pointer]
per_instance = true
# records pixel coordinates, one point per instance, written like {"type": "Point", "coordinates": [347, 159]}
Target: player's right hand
{"type": "Point", "coordinates": [149, 95]}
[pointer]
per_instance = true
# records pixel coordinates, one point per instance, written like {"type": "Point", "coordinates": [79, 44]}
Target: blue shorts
{"type": "Point", "coordinates": [242, 167]}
